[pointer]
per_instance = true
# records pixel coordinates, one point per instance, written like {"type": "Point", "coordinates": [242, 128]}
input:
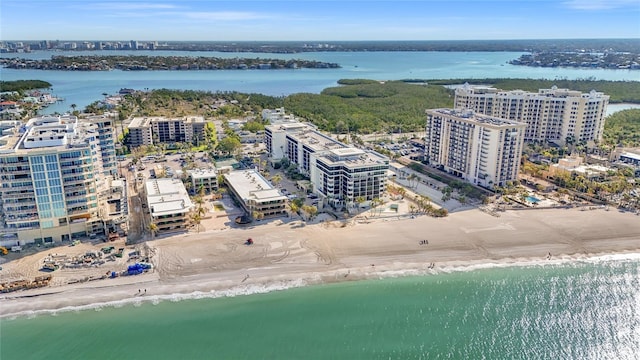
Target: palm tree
{"type": "Point", "coordinates": [359, 200]}
{"type": "Point", "coordinates": [199, 200]}
{"type": "Point", "coordinates": [312, 210]}
{"type": "Point", "coordinates": [293, 207]}
{"type": "Point", "coordinates": [276, 179]}
{"type": "Point", "coordinates": [153, 228]}
{"type": "Point", "coordinates": [73, 106]}
{"type": "Point", "coordinates": [374, 204]}
{"type": "Point", "coordinates": [258, 215]}
{"type": "Point", "coordinates": [196, 218]}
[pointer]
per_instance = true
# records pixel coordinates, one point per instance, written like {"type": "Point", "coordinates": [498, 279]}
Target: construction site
{"type": "Point", "coordinates": [76, 263]}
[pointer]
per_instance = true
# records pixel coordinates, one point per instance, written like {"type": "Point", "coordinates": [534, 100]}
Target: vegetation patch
{"type": "Point", "coordinates": [22, 85]}
{"type": "Point", "coordinates": [622, 128]}
{"type": "Point", "coordinates": [370, 106]}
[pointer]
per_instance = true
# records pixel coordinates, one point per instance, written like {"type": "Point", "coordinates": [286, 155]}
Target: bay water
{"type": "Point", "coordinates": [82, 88]}
{"type": "Point", "coordinates": [578, 310]}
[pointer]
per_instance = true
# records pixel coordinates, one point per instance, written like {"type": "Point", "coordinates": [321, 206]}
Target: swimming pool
{"type": "Point", "coordinates": [532, 199]}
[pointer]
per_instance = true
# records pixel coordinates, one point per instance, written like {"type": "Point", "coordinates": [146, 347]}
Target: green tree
{"type": "Point", "coordinates": [229, 145]}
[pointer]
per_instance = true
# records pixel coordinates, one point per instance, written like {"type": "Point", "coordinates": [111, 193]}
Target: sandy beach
{"type": "Point", "coordinates": [216, 263]}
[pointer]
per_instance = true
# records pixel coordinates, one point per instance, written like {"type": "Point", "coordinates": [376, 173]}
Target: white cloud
{"type": "Point", "coordinates": [223, 15]}
{"type": "Point", "coordinates": [129, 6]}
{"type": "Point", "coordinates": [601, 4]}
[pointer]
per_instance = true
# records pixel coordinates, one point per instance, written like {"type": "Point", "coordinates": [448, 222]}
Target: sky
{"type": "Point", "coordinates": [294, 20]}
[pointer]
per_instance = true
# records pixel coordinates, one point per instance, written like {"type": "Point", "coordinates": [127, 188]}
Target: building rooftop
{"type": "Point", "coordinates": [249, 184]}
{"type": "Point", "coordinates": [144, 122]}
{"type": "Point", "coordinates": [308, 135]}
{"type": "Point", "coordinates": [277, 116]}
{"type": "Point", "coordinates": [353, 157]}
{"type": "Point", "coordinates": [470, 116]}
{"type": "Point", "coordinates": [167, 196]}
{"type": "Point", "coordinates": [48, 133]}
{"type": "Point", "coordinates": [203, 173]}
{"type": "Point", "coordinates": [318, 141]}
{"type": "Point", "coordinates": [288, 126]}
{"type": "Point", "coordinates": [631, 155]}
{"type": "Point", "coordinates": [139, 122]}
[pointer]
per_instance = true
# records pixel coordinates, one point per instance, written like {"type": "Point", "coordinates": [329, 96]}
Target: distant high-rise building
{"type": "Point", "coordinates": [480, 149]}
{"type": "Point", "coordinates": [556, 115]}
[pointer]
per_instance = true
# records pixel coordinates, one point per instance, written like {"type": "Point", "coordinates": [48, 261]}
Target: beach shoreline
{"type": "Point", "coordinates": [289, 255]}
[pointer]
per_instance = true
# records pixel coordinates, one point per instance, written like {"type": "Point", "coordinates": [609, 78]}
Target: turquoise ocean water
{"type": "Point", "coordinates": [580, 310]}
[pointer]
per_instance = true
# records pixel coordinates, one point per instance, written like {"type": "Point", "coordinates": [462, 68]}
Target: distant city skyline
{"type": "Point", "coordinates": [329, 20]}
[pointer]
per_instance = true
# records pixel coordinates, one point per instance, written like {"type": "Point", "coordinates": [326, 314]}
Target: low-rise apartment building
{"type": "Point", "coordinates": [169, 204]}
{"type": "Point", "coordinates": [205, 179]}
{"type": "Point", "coordinates": [255, 194]}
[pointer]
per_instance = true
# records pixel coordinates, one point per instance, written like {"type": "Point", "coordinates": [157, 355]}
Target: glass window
{"type": "Point", "coordinates": [46, 224]}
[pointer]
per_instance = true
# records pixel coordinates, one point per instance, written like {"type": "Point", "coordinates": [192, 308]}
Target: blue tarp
{"type": "Point", "coordinates": [135, 269]}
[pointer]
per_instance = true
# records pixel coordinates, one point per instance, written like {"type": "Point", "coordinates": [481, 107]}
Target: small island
{"type": "Point", "coordinates": [141, 63]}
{"type": "Point", "coordinates": [578, 59]}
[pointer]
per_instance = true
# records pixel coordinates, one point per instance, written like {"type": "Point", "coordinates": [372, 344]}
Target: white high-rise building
{"type": "Point", "coordinates": [53, 174]}
{"type": "Point", "coordinates": [480, 149]}
{"type": "Point", "coordinates": [557, 115]}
